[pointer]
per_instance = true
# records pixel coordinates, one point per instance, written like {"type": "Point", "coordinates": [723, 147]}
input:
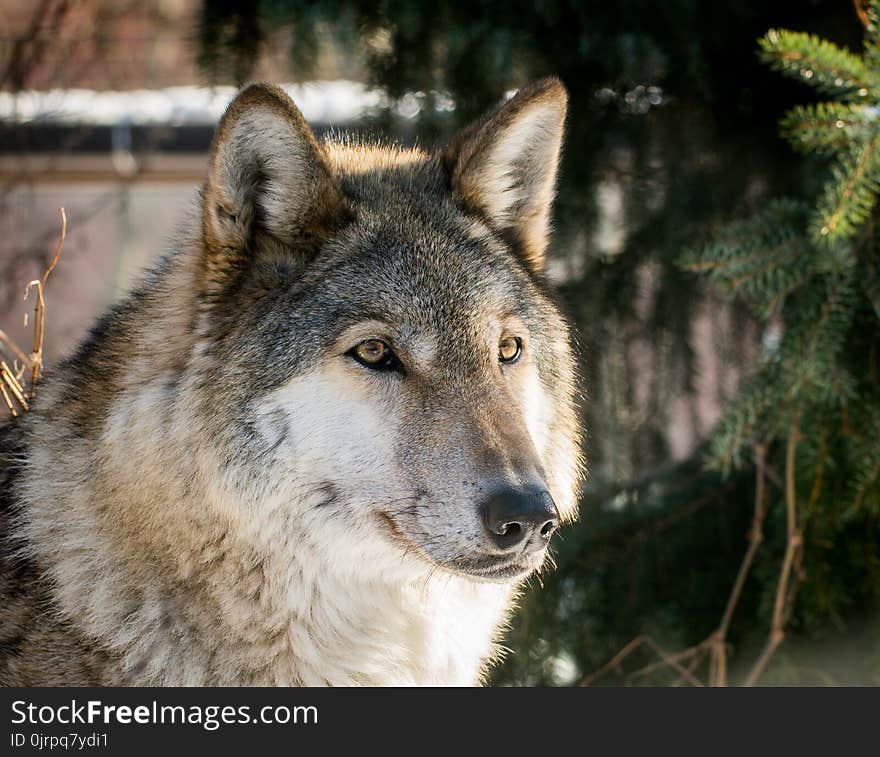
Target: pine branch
{"type": "Point", "coordinates": [863, 456]}
{"type": "Point", "coordinates": [831, 69]}
{"type": "Point", "coordinates": [748, 420]}
{"type": "Point", "coordinates": [745, 241]}
{"type": "Point", "coordinates": [850, 195]}
{"type": "Point", "coordinates": [815, 334]}
{"type": "Point", "coordinates": [818, 385]}
{"type": "Point", "coordinates": [762, 259]}
{"type": "Point", "coordinates": [826, 128]}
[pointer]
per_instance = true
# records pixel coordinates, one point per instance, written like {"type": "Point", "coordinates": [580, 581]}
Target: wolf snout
{"type": "Point", "coordinates": [515, 518]}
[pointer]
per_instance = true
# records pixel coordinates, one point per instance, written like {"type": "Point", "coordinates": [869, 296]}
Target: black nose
{"type": "Point", "coordinates": [516, 516]}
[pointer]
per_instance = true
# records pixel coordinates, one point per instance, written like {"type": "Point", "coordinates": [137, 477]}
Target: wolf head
{"type": "Point", "coordinates": [401, 378]}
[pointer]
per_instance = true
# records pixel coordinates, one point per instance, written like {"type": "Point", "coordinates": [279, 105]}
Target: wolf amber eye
{"type": "Point", "coordinates": [509, 349]}
{"type": "Point", "coordinates": [374, 353]}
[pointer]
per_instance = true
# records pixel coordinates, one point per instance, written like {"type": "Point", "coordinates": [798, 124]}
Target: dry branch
{"type": "Point", "coordinates": [718, 659]}
{"type": "Point", "coordinates": [9, 378]}
{"type": "Point", "coordinates": [790, 575]}
{"type": "Point", "coordinates": [36, 359]}
{"type": "Point", "coordinates": [14, 348]}
{"type": "Point", "coordinates": [10, 387]}
{"type": "Point", "coordinates": [794, 542]}
{"type": "Point", "coordinates": [615, 661]}
{"type": "Point", "coordinates": [8, 401]}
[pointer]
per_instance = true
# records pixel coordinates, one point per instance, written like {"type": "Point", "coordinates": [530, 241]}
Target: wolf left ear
{"type": "Point", "coordinates": [505, 166]}
{"type": "Point", "coordinates": [269, 187]}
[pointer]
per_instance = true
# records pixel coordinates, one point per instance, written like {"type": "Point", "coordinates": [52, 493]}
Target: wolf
{"type": "Point", "coordinates": [325, 441]}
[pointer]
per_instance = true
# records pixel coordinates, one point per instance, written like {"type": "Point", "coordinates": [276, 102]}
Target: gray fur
{"type": "Point", "coordinates": [211, 491]}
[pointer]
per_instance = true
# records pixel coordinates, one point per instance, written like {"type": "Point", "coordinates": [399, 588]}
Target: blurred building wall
{"type": "Point", "coordinates": [114, 231]}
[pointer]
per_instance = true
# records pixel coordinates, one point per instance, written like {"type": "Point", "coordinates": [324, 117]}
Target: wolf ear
{"type": "Point", "coordinates": [504, 166]}
{"type": "Point", "coordinates": [269, 184]}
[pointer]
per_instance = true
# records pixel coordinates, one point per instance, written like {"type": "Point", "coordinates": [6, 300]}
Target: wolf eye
{"type": "Point", "coordinates": [375, 354]}
{"type": "Point", "coordinates": [509, 349]}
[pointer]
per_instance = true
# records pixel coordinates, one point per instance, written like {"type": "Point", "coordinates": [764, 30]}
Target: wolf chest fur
{"type": "Point", "coordinates": [327, 438]}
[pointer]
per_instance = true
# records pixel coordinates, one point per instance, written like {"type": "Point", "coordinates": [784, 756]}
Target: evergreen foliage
{"type": "Point", "coordinates": [809, 271]}
{"type": "Point", "coordinates": [670, 107]}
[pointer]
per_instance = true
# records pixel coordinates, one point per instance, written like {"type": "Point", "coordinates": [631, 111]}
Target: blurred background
{"type": "Point", "coordinates": [108, 108]}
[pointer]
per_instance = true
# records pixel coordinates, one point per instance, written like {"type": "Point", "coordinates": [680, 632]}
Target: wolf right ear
{"type": "Point", "coordinates": [504, 166]}
{"type": "Point", "coordinates": [269, 184]}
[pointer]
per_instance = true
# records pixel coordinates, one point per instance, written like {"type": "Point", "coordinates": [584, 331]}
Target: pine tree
{"type": "Point", "coordinates": [810, 270]}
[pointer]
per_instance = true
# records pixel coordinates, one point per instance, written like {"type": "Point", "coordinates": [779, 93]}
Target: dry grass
{"type": "Point", "coordinates": [12, 377]}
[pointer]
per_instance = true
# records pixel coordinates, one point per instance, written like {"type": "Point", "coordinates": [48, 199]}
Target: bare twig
{"type": "Point", "coordinates": [8, 401]}
{"type": "Point", "coordinates": [8, 378]}
{"type": "Point", "coordinates": [14, 348]}
{"type": "Point", "coordinates": [694, 664]}
{"type": "Point", "coordinates": [36, 359]}
{"type": "Point", "coordinates": [718, 660]}
{"type": "Point", "coordinates": [667, 660]}
{"type": "Point", "coordinates": [58, 248]}
{"type": "Point", "coordinates": [672, 662]}
{"type": "Point", "coordinates": [615, 661]}
{"type": "Point", "coordinates": [784, 593]}
{"type": "Point", "coordinates": [696, 651]}
{"type": "Point", "coordinates": [789, 577]}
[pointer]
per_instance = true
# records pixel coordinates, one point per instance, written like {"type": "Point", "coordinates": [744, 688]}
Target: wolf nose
{"type": "Point", "coordinates": [514, 516]}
